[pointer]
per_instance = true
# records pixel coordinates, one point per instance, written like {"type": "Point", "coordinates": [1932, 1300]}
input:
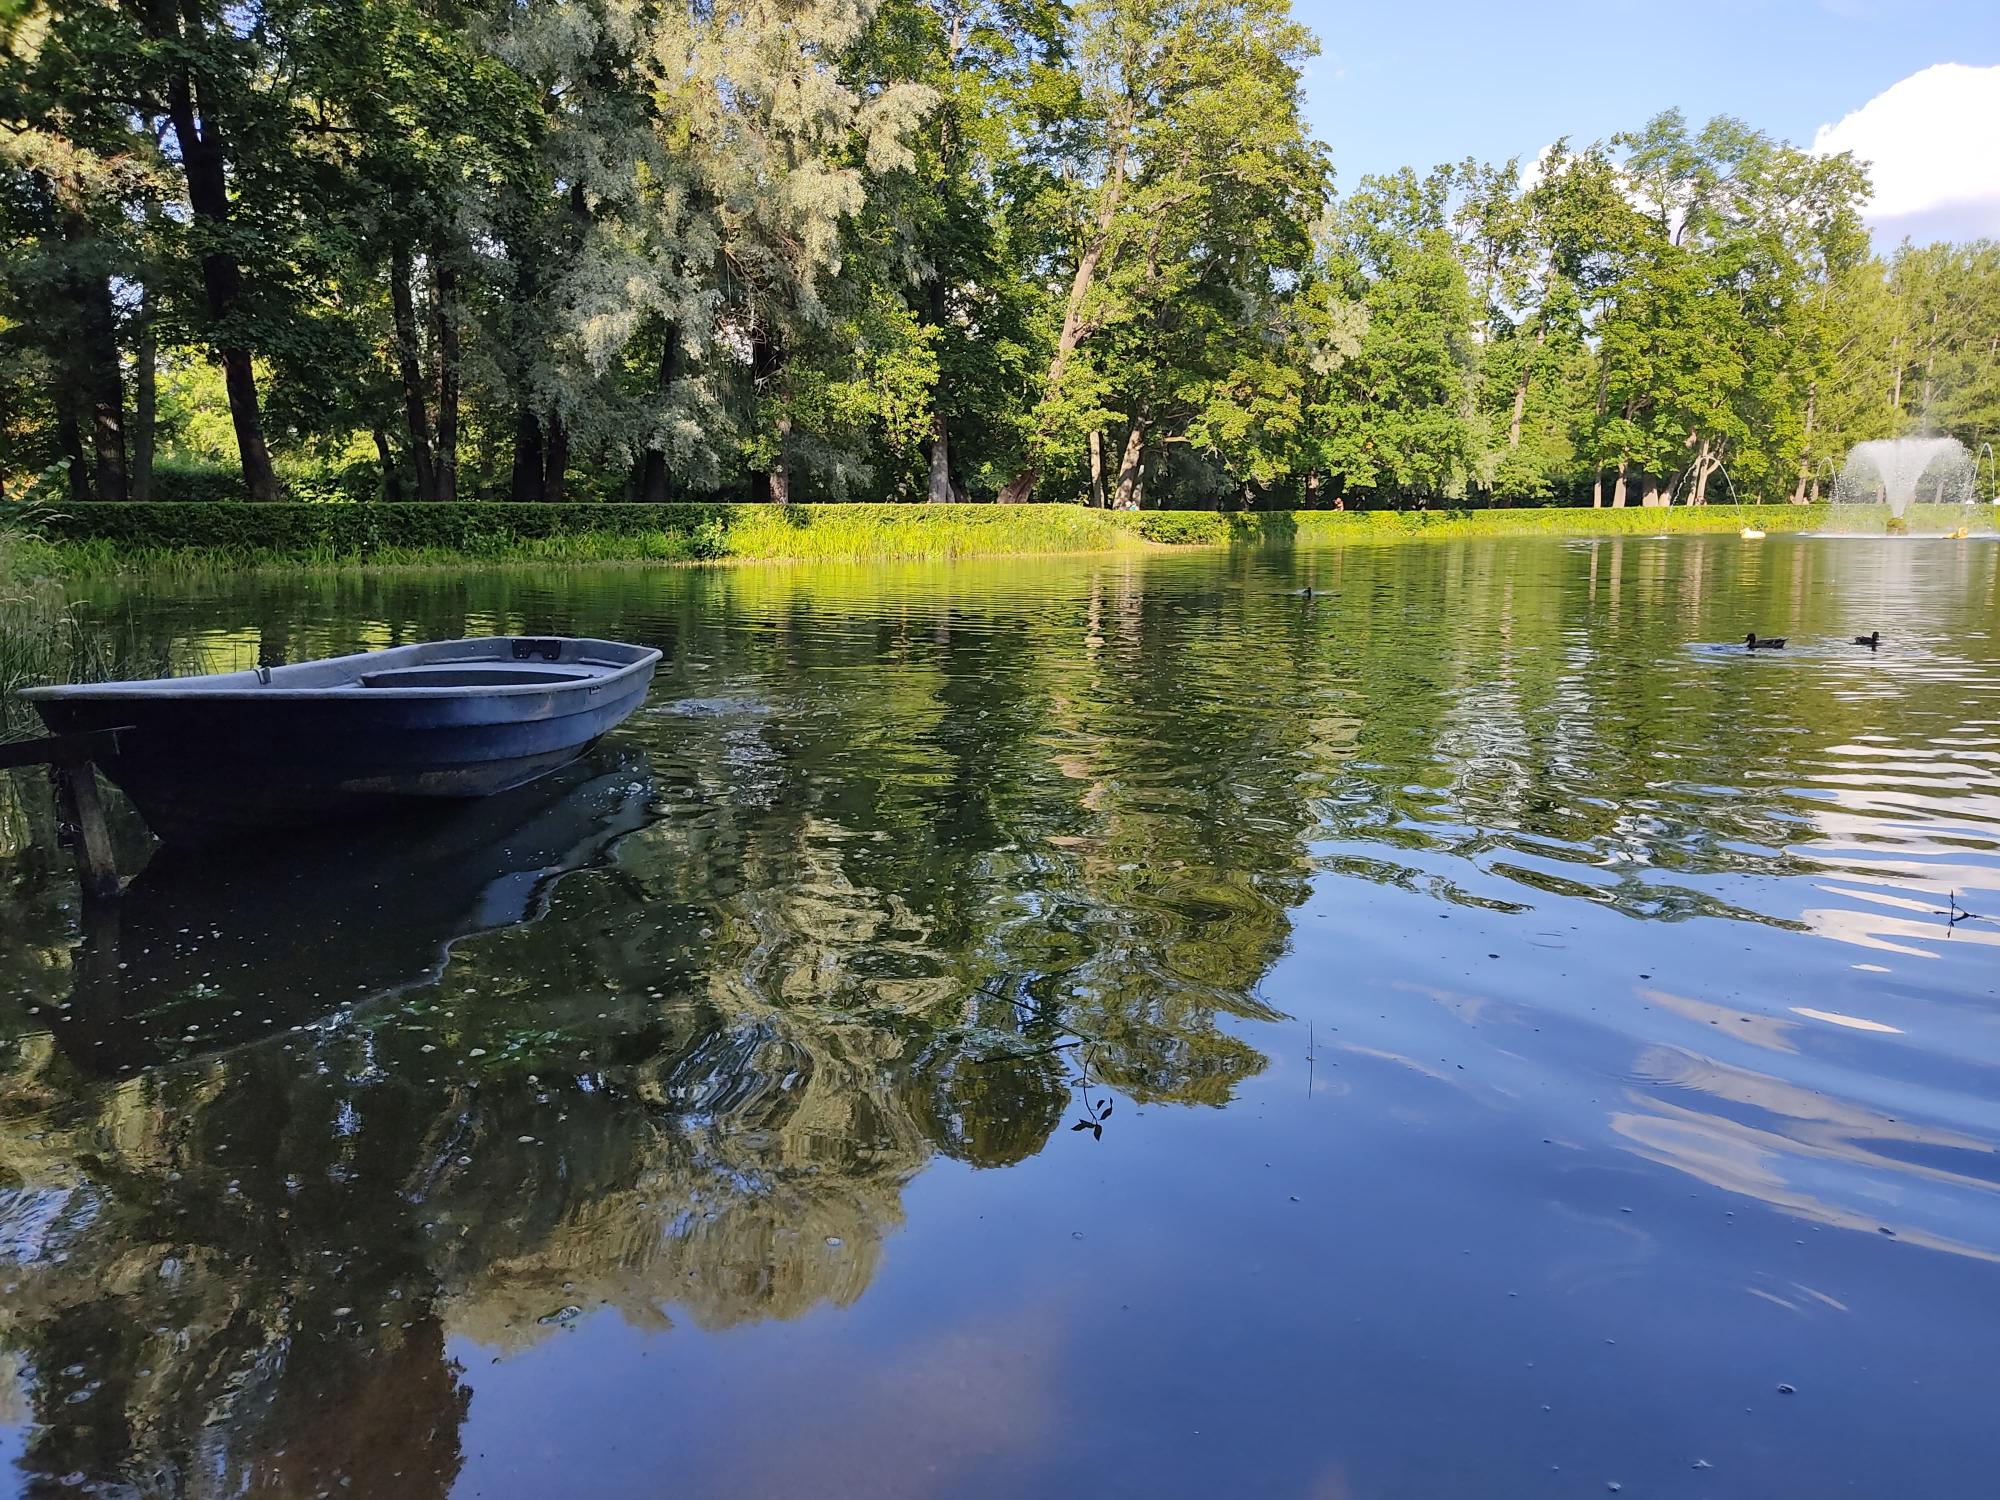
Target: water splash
{"type": "Point", "coordinates": [1899, 473]}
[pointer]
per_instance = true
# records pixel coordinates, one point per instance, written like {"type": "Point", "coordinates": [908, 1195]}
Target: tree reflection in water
{"type": "Point", "coordinates": [271, 1141]}
{"type": "Point", "coordinates": [913, 858]}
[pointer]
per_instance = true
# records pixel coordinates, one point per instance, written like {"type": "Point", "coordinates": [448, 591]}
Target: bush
{"type": "Point", "coordinates": [102, 536]}
{"type": "Point", "coordinates": [180, 483]}
{"type": "Point", "coordinates": [1177, 527]}
{"type": "Point", "coordinates": [197, 483]}
{"type": "Point", "coordinates": [300, 527]}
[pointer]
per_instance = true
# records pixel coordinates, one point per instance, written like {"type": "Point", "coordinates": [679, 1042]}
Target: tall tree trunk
{"type": "Point", "coordinates": [778, 483]}
{"type": "Point", "coordinates": [940, 478]}
{"type": "Point", "coordinates": [940, 481]}
{"type": "Point", "coordinates": [766, 360]}
{"type": "Point", "coordinates": [1597, 436]}
{"type": "Point", "coordinates": [1132, 466]}
{"type": "Point", "coordinates": [145, 398]}
{"type": "Point", "coordinates": [653, 464]}
{"type": "Point", "coordinates": [392, 482]}
{"type": "Point", "coordinates": [1930, 365]}
{"type": "Point", "coordinates": [528, 477]}
{"type": "Point", "coordinates": [556, 459]}
{"type": "Point", "coordinates": [199, 139]}
{"type": "Point", "coordinates": [526, 481]}
{"type": "Point", "coordinates": [1702, 470]}
{"type": "Point", "coordinates": [103, 386]}
{"type": "Point", "coordinates": [409, 365]}
{"type": "Point", "coordinates": [1521, 388]}
{"type": "Point", "coordinates": [1097, 468]}
{"type": "Point", "coordinates": [260, 480]}
{"type": "Point", "coordinates": [1624, 458]}
{"type": "Point", "coordinates": [1805, 450]}
{"type": "Point", "coordinates": [69, 438]}
{"type": "Point", "coordinates": [444, 316]}
{"type": "Point", "coordinates": [1074, 329]}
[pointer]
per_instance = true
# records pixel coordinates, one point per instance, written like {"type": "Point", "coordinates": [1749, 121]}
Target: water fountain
{"type": "Point", "coordinates": [1750, 532]}
{"type": "Point", "coordinates": [1917, 485]}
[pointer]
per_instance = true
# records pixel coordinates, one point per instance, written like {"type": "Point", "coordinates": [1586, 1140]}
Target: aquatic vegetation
{"type": "Point", "coordinates": [37, 634]}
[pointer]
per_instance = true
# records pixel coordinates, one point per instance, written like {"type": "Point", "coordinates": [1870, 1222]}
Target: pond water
{"type": "Point", "coordinates": [1103, 1024]}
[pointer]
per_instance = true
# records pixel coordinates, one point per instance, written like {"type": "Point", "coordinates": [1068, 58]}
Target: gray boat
{"type": "Point", "coordinates": [222, 756]}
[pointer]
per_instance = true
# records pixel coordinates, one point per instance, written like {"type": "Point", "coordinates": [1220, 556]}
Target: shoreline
{"type": "Point", "coordinates": [110, 539]}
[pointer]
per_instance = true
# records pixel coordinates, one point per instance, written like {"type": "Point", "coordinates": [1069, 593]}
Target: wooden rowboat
{"type": "Point", "coordinates": [221, 756]}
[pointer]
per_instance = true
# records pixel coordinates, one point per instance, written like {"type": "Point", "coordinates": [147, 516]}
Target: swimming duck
{"type": "Point", "coordinates": [1764, 643]}
{"type": "Point", "coordinates": [1870, 640]}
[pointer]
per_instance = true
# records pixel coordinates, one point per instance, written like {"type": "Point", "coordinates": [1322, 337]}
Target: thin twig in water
{"type": "Point", "coordinates": [1959, 914]}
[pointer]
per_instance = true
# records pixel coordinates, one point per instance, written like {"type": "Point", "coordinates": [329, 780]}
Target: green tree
{"type": "Point", "coordinates": [1185, 168]}
{"type": "Point", "coordinates": [1398, 417]}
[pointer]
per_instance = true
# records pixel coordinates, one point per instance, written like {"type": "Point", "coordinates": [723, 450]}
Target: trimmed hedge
{"type": "Point", "coordinates": [1292, 527]}
{"type": "Point", "coordinates": [474, 527]}
{"type": "Point", "coordinates": [107, 537]}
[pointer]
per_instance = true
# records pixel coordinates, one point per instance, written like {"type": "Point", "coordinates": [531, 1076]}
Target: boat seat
{"type": "Point", "coordinates": [471, 675]}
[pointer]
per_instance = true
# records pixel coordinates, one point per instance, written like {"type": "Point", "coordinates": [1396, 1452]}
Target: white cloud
{"type": "Point", "coordinates": [1932, 144]}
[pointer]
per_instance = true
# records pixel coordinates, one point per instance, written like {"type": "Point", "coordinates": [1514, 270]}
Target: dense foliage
{"type": "Point", "coordinates": [590, 250]}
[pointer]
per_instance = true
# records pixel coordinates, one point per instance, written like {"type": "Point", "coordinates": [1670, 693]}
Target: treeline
{"type": "Point", "coordinates": [899, 249]}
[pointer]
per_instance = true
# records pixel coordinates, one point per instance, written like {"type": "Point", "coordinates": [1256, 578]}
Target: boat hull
{"type": "Point", "coordinates": [210, 764]}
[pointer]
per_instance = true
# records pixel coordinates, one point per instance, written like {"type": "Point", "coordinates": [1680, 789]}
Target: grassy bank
{"type": "Point", "coordinates": [100, 539]}
{"type": "Point", "coordinates": [106, 538]}
{"type": "Point", "coordinates": [1317, 527]}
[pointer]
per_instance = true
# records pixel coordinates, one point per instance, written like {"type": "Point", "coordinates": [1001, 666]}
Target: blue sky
{"type": "Point", "coordinates": [1424, 81]}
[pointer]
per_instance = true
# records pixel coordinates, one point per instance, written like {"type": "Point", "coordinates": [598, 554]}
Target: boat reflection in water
{"type": "Point", "coordinates": [272, 1197]}
{"type": "Point", "coordinates": [212, 948]}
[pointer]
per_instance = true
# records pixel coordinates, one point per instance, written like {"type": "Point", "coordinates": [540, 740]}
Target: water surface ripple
{"type": "Point", "coordinates": [1475, 1030]}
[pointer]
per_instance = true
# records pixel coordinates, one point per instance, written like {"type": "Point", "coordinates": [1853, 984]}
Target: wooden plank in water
{"type": "Point", "coordinates": [60, 749]}
{"type": "Point", "coordinates": [73, 778]}
{"type": "Point", "coordinates": [78, 805]}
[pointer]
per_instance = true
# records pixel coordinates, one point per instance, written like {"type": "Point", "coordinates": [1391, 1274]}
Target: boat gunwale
{"type": "Point", "coordinates": [209, 687]}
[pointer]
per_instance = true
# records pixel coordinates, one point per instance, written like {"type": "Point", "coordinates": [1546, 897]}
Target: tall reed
{"type": "Point", "coordinates": [37, 631]}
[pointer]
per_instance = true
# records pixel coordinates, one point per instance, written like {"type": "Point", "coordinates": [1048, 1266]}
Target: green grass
{"type": "Point", "coordinates": [167, 537]}
{"type": "Point", "coordinates": [1325, 527]}
{"type": "Point", "coordinates": [37, 633]}
{"type": "Point", "coordinates": [99, 539]}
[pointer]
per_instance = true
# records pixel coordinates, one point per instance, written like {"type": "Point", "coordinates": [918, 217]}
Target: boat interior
{"type": "Point", "coordinates": [467, 666]}
{"type": "Point", "coordinates": [475, 674]}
